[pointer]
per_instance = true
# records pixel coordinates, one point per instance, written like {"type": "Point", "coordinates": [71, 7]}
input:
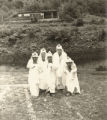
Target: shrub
{"type": "Point", "coordinates": [60, 36]}
{"type": "Point", "coordinates": [102, 21]}
{"type": "Point", "coordinates": [79, 22]}
{"type": "Point", "coordinates": [102, 35]}
{"type": "Point", "coordinates": [31, 34]}
{"type": "Point", "coordinates": [93, 21]}
{"type": "Point", "coordinates": [73, 9]}
{"type": "Point", "coordinates": [12, 40]}
{"type": "Point", "coordinates": [101, 68]}
{"type": "Point", "coordinates": [51, 35]}
{"type": "Point", "coordinates": [19, 4]}
{"type": "Point", "coordinates": [97, 7]}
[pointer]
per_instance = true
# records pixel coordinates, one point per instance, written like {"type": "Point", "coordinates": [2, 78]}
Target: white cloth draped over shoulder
{"type": "Point", "coordinates": [33, 77]}
{"type": "Point", "coordinates": [51, 78]}
{"type": "Point", "coordinates": [42, 73]}
{"type": "Point", "coordinates": [72, 79]}
{"type": "Point", "coordinates": [59, 63]}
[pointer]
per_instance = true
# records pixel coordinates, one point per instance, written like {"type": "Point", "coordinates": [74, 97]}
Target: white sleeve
{"type": "Point", "coordinates": [74, 68]}
{"type": "Point", "coordinates": [30, 64]}
{"type": "Point", "coordinates": [55, 61]}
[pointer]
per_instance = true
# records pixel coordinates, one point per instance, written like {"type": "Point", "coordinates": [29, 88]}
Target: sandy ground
{"type": "Point", "coordinates": [17, 104]}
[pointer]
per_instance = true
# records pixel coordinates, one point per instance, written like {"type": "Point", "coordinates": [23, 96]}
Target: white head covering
{"type": "Point", "coordinates": [43, 50]}
{"type": "Point", "coordinates": [35, 54]}
{"type": "Point", "coordinates": [69, 60]}
{"type": "Point", "coordinates": [59, 47]}
{"type": "Point", "coordinates": [49, 54]}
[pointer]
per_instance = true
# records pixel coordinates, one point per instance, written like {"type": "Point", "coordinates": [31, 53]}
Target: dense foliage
{"type": "Point", "coordinates": [68, 9]}
{"type": "Point", "coordinates": [79, 42]}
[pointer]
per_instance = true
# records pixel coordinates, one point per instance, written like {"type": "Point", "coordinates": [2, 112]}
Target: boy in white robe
{"type": "Point", "coordinates": [51, 74]}
{"type": "Point", "coordinates": [33, 77]}
{"type": "Point", "coordinates": [71, 77]}
{"type": "Point", "coordinates": [42, 63]}
{"type": "Point", "coordinates": [59, 61]}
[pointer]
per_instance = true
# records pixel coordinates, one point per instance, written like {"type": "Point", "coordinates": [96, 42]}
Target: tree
{"type": "Point", "coordinates": [33, 7]}
{"type": "Point", "coordinates": [55, 4]}
{"type": "Point", "coordinates": [72, 9]}
{"type": "Point", "coordinates": [19, 4]}
{"type": "Point", "coordinates": [97, 7]}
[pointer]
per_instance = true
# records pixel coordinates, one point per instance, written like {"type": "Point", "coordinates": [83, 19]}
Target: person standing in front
{"type": "Point", "coordinates": [72, 82]}
{"type": "Point", "coordinates": [59, 61]}
{"type": "Point", "coordinates": [42, 63]}
{"type": "Point", "coordinates": [50, 75]}
{"type": "Point", "coordinates": [33, 77]}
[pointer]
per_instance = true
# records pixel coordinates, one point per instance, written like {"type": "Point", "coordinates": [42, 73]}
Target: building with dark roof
{"type": "Point", "coordinates": [34, 16]}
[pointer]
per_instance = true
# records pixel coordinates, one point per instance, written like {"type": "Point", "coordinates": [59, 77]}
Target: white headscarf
{"type": "Point", "coordinates": [35, 54]}
{"type": "Point", "coordinates": [69, 60]}
{"type": "Point", "coordinates": [43, 50]}
{"type": "Point", "coordinates": [58, 47]}
{"type": "Point", "coordinates": [49, 54]}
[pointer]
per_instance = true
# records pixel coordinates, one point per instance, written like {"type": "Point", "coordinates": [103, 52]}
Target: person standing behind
{"type": "Point", "coordinates": [33, 77]}
{"type": "Point", "coordinates": [59, 61]}
{"type": "Point", "coordinates": [42, 63]}
{"type": "Point", "coordinates": [71, 77]}
{"type": "Point", "coordinates": [50, 75]}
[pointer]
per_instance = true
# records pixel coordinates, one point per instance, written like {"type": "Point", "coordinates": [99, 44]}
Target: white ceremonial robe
{"type": "Point", "coordinates": [42, 74]}
{"type": "Point", "coordinates": [72, 79]}
{"type": "Point", "coordinates": [33, 78]}
{"type": "Point", "coordinates": [59, 66]}
{"type": "Point", "coordinates": [51, 78]}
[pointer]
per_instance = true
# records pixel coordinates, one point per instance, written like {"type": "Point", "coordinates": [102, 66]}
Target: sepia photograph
{"type": "Point", "coordinates": [53, 60]}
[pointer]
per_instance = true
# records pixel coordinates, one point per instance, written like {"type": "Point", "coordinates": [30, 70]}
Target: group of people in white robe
{"type": "Point", "coordinates": [52, 72]}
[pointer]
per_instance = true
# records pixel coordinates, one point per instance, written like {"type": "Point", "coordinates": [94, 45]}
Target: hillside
{"type": "Point", "coordinates": [83, 43]}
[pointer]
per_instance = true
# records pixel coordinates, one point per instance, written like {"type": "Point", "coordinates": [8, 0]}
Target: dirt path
{"type": "Point", "coordinates": [17, 104]}
{"type": "Point", "coordinates": [13, 104]}
{"type": "Point", "coordinates": [14, 100]}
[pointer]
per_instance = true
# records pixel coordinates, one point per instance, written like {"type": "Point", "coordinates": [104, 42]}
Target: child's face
{"type": "Point", "coordinates": [50, 59]}
{"type": "Point", "coordinates": [69, 64]}
{"type": "Point", "coordinates": [59, 52]}
{"type": "Point", "coordinates": [35, 59]}
{"type": "Point", "coordinates": [43, 55]}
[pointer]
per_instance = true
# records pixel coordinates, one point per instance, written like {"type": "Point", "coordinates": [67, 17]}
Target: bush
{"type": "Point", "coordinates": [102, 21]}
{"type": "Point", "coordinates": [102, 35]}
{"type": "Point", "coordinates": [73, 9]}
{"type": "Point", "coordinates": [60, 36]}
{"type": "Point", "coordinates": [101, 68]}
{"type": "Point", "coordinates": [79, 22]}
{"type": "Point", "coordinates": [93, 21]}
{"type": "Point", "coordinates": [12, 40]}
{"type": "Point", "coordinates": [31, 34]}
{"type": "Point", "coordinates": [97, 7]}
{"type": "Point", "coordinates": [51, 35]}
{"type": "Point", "coordinates": [19, 4]}
{"type": "Point", "coordinates": [97, 21]}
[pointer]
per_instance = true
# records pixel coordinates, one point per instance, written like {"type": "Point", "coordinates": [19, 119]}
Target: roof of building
{"type": "Point", "coordinates": [41, 11]}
